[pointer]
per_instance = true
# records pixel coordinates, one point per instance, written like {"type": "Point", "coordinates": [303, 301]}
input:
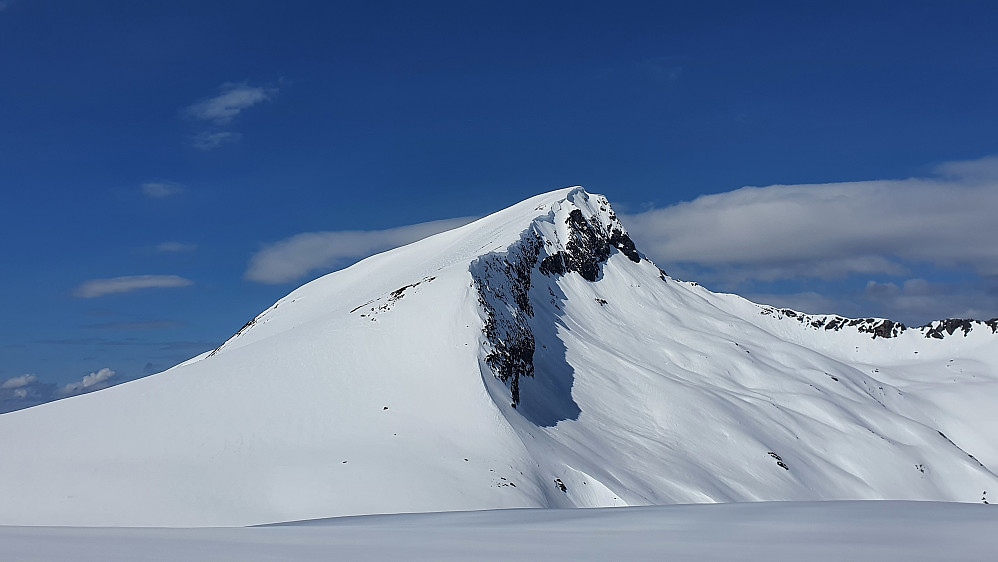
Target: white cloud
{"type": "Point", "coordinates": [295, 257]}
{"type": "Point", "coordinates": [24, 391]}
{"type": "Point", "coordinates": [100, 287]}
{"type": "Point", "coordinates": [4, 6]}
{"type": "Point", "coordinates": [984, 169]}
{"type": "Point", "coordinates": [210, 140]}
{"type": "Point", "coordinates": [161, 190]}
{"type": "Point", "coordinates": [175, 247]}
{"type": "Point", "coordinates": [832, 230]}
{"type": "Point", "coordinates": [18, 382]}
{"type": "Point", "coordinates": [90, 383]}
{"type": "Point", "coordinates": [232, 100]}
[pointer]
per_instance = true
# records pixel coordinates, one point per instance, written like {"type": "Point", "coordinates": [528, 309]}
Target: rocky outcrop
{"type": "Point", "coordinates": [503, 281]}
{"type": "Point", "coordinates": [588, 247]}
{"type": "Point", "coordinates": [503, 284]}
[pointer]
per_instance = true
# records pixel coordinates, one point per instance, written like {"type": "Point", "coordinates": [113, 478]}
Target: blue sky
{"type": "Point", "coordinates": [170, 169]}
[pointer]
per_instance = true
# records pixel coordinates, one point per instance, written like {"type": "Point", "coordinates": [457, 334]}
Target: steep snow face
{"type": "Point", "coordinates": [533, 358]}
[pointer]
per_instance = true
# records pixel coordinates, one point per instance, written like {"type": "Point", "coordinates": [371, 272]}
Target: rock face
{"type": "Point", "coordinates": [504, 281]}
{"type": "Point", "coordinates": [533, 358]}
{"type": "Point", "coordinates": [589, 246]}
{"type": "Point", "coordinates": [503, 284]}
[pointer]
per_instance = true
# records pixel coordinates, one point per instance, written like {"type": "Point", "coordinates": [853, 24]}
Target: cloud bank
{"type": "Point", "coordinates": [295, 257]}
{"type": "Point", "coordinates": [871, 229]}
{"type": "Point", "coordinates": [101, 287]}
{"type": "Point", "coordinates": [833, 230]}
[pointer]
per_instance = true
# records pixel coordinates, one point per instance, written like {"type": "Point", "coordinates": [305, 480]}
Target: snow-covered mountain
{"type": "Point", "coordinates": [533, 358]}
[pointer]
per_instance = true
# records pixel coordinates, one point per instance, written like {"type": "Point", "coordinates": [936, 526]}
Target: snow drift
{"type": "Point", "coordinates": [533, 358]}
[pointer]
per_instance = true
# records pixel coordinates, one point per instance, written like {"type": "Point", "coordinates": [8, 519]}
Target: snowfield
{"type": "Point", "coordinates": [531, 359]}
{"type": "Point", "coordinates": [814, 531]}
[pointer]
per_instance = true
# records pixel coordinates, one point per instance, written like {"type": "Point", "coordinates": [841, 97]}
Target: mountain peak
{"type": "Point", "coordinates": [532, 358]}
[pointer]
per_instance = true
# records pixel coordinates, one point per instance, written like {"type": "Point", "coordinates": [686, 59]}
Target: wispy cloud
{"type": "Point", "coordinates": [161, 190]}
{"type": "Point", "coordinates": [222, 109]}
{"type": "Point", "coordinates": [90, 383]}
{"type": "Point", "coordinates": [210, 140]}
{"type": "Point", "coordinates": [832, 230]}
{"type": "Point", "coordinates": [232, 99]}
{"type": "Point", "coordinates": [662, 69]}
{"type": "Point", "coordinates": [4, 6]}
{"type": "Point", "coordinates": [101, 287]}
{"type": "Point", "coordinates": [175, 247]}
{"type": "Point", "coordinates": [296, 257]}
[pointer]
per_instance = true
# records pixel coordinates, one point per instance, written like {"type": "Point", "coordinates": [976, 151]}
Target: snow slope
{"type": "Point", "coordinates": [532, 358]}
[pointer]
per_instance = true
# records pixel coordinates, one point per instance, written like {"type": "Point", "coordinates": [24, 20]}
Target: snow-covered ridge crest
{"type": "Point", "coordinates": [882, 327]}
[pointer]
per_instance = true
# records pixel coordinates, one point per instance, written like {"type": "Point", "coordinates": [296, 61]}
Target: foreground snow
{"type": "Point", "coordinates": [813, 531]}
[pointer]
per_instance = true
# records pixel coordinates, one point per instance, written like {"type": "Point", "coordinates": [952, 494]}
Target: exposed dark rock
{"type": "Point", "coordinates": [589, 245]}
{"type": "Point", "coordinates": [886, 329]}
{"type": "Point", "coordinates": [936, 329]}
{"type": "Point", "coordinates": [836, 324]}
{"type": "Point", "coordinates": [503, 283]}
{"type": "Point", "coordinates": [620, 240]}
{"type": "Point", "coordinates": [878, 327]}
{"type": "Point", "coordinates": [779, 460]}
{"type": "Point", "coordinates": [553, 265]}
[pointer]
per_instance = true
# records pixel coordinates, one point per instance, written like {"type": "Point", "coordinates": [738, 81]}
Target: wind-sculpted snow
{"type": "Point", "coordinates": [532, 358]}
